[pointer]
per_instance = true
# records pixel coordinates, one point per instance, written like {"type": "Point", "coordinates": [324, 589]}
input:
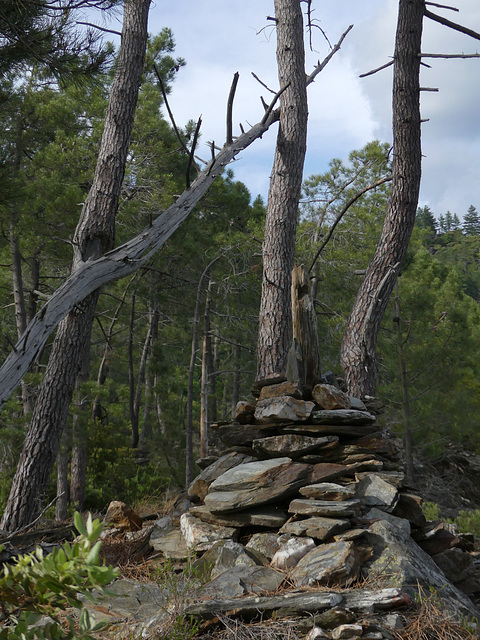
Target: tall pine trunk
{"type": "Point", "coordinates": [358, 356]}
{"type": "Point", "coordinates": [275, 323]}
{"type": "Point", "coordinates": [94, 236]}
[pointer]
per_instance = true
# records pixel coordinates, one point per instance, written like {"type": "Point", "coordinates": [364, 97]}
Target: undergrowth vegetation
{"type": "Point", "coordinates": [38, 588]}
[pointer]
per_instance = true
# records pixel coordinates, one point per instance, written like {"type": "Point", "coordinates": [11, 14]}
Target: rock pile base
{"type": "Point", "coordinates": [306, 511]}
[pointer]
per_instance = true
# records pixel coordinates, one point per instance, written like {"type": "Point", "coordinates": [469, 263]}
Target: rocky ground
{"type": "Point", "coordinates": [303, 526]}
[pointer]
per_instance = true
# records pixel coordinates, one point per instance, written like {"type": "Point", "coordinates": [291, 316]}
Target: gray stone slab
{"type": "Point", "coordinates": [327, 508]}
{"type": "Point", "coordinates": [337, 562]}
{"type": "Point", "coordinates": [256, 483]}
{"type": "Point", "coordinates": [316, 527]}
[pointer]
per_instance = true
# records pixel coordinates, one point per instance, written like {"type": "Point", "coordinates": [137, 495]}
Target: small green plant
{"type": "Point", "coordinates": [465, 522]}
{"type": "Point", "coordinates": [468, 522]}
{"type": "Point", "coordinates": [431, 511]}
{"type": "Point", "coordinates": [180, 589]}
{"type": "Point", "coordinates": [40, 586]}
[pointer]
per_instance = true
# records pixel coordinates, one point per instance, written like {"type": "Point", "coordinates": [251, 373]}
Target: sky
{"type": "Point", "coordinates": [220, 37]}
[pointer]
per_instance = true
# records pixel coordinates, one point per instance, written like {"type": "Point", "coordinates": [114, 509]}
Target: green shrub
{"type": "Point", "coordinates": [36, 586]}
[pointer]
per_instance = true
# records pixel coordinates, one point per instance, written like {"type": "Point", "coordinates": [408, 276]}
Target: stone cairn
{"type": "Point", "coordinates": [310, 493]}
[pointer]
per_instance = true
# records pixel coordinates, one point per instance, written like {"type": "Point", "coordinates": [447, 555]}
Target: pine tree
{"type": "Point", "coordinates": [471, 222]}
{"type": "Point", "coordinates": [426, 220]}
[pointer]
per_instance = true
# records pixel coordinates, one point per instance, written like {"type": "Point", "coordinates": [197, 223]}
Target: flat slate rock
{"type": "Point", "coordinates": [327, 508]}
{"type": "Point", "coordinates": [291, 551]}
{"type": "Point", "coordinates": [282, 389]}
{"type": "Point", "coordinates": [256, 483]}
{"type": "Point", "coordinates": [329, 428]}
{"type": "Point", "coordinates": [398, 561]}
{"type": "Point", "coordinates": [375, 492]}
{"type": "Point", "coordinates": [342, 416]}
{"type": "Point", "coordinates": [291, 445]}
{"type": "Point", "coordinates": [328, 491]}
{"type": "Point", "coordinates": [316, 527]}
{"type": "Point", "coordinates": [201, 535]}
{"type": "Point", "coordinates": [242, 579]}
{"type": "Point", "coordinates": [282, 409]}
{"type": "Point", "coordinates": [199, 487]}
{"type": "Point", "coordinates": [325, 471]}
{"type": "Point", "coordinates": [126, 598]}
{"type": "Point", "coordinates": [268, 517]}
{"type": "Point", "coordinates": [337, 562]}
{"type": "Point", "coordinates": [235, 434]}
{"type": "Point", "coordinates": [327, 396]}
{"type": "Point", "coordinates": [310, 602]}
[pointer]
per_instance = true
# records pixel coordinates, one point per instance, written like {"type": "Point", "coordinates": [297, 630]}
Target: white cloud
{"type": "Point", "coordinates": [218, 38]}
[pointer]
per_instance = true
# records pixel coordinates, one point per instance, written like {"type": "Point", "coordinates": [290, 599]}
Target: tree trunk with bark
{"type": "Point", "coordinates": [206, 371]}
{"type": "Point", "coordinates": [275, 323]}
{"type": "Point", "coordinates": [360, 338]}
{"type": "Point", "coordinates": [93, 237]}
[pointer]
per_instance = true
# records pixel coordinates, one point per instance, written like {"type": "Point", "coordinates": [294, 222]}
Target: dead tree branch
{"type": "Point", "coordinates": [321, 65]}
{"type": "Point", "coordinates": [450, 55]}
{"type": "Point", "coordinates": [452, 25]}
{"type": "Point", "coordinates": [344, 210]}
{"type": "Point", "coordinates": [192, 151]}
{"type": "Point", "coordinates": [165, 100]}
{"type": "Point", "coordinates": [442, 6]}
{"type": "Point", "coordinates": [370, 73]}
{"type": "Point", "coordinates": [231, 97]}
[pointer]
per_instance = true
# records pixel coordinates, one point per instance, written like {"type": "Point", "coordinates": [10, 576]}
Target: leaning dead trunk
{"type": "Point", "coordinates": [93, 237]}
{"type": "Point", "coordinates": [360, 338]}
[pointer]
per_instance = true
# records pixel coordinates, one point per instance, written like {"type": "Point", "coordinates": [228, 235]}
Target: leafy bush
{"type": "Point", "coordinates": [38, 586]}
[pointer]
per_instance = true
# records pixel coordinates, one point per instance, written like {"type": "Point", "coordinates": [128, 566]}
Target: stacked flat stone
{"type": "Point", "coordinates": [306, 491]}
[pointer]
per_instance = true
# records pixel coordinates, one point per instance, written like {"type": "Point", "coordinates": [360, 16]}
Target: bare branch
{"type": "Point", "coordinates": [269, 109]}
{"type": "Point", "coordinates": [172, 119]}
{"type": "Point", "coordinates": [262, 83]}
{"type": "Point", "coordinates": [370, 73]}
{"type": "Point", "coordinates": [434, 89]}
{"type": "Point", "coordinates": [96, 26]}
{"type": "Point", "coordinates": [231, 97]}
{"type": "Point", "coordinates": [321, 65]}
{"type": "Point", "coordinates": [192, 151]}
{"type": "Point", "coordinates": [344, 210]}
{"type": "Point", "coordinates": [442, 6]}
{"type": "Point", "coordinates": [452, 25]}
{"type": "Point", "coordinates": [450, 55]}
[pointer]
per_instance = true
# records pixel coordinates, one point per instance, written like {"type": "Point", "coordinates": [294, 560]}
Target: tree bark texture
{"type": "Point", "coordinates": [305, 333]}
{"type": "Point", "coordinates": [78, 465]}
{"type": "Point", "coordinates": [360, 338]}
{"type": "Point", "coordinates": [94, 236]}
{"type": "Point", "coordinates": [275, 323]}
{"type": "Point", "coordinates": [206, 370]}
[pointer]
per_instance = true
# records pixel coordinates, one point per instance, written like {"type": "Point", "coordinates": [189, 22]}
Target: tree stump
{"type": "Point", "coordinates": [304, 358]}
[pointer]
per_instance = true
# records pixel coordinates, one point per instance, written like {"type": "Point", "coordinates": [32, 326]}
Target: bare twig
{"type": "Point", "coordinates": [442, 6]}
{"type": "Point", "coordinates": [343, 212]}
{"type": "Point", "coordinates": [231, 97]}
{"type": "Point", "coordinates": [450, 55]}
{"type": "Point", "coordinates": [172, 119]}
{"type": "Point", "coordinates": [96, 26]}
{"type": "Point", "coordinates": [321, 65]}
{"type": "Point", "coordinates": [192, 151]}
{"type": "Point", "coordinates": [370, 73]}
{"type": "Point", "coordinates": [262, 83]}
{"type": "Point", "coordinates": [31, 524]}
